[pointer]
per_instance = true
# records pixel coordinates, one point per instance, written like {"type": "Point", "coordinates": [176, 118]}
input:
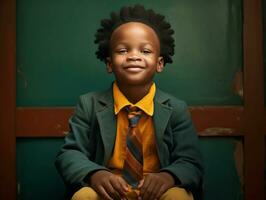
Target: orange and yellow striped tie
{"type": "Point", "coordinates": [133, 164]}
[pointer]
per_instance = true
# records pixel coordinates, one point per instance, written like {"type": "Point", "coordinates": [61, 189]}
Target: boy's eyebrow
{"type": "Point", "coordinates": [141, 44]}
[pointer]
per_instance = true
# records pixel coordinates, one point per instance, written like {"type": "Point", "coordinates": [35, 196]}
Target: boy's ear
{"type": "Point", "coordinates": [160, 64]}
{"type": "Point", "coordinates": [109, 65]}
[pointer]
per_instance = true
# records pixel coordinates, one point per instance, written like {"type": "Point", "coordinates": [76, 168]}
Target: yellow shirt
{"type": "Point", "coordinates": [145, 125]}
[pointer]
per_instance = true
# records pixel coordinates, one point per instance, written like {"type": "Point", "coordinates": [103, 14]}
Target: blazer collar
{"type": "Point", "coordinates": [106, 98]}
{"type": "Point", "coordinates": [161, 97]}
{"type": "Point", "coordinates": [107, 121]}
{"type": "Point", "coordinates": [162, 114]}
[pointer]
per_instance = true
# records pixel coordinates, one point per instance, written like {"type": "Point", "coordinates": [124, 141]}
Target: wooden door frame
{"type": "Point", "coordinates": [254, 111]}
{"type": "Point", "coordinates": [247, 121]}
{"type": "Point", "coordinates": [8, 99]}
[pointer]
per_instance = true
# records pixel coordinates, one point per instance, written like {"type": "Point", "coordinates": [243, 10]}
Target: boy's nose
{"type": "Point", "coordinates": [133, 57]}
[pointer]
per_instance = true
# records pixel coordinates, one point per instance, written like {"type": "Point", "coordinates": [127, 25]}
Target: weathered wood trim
{"type": "Point", "coordinates": [7, 99]}
{"type": "Point", "coordinates": [53, 121]}
{"type": "Point", "coordinates": [218, 121]}
{"type": "Point", "coordinates": [253, 101]}
{"type": "Point", "coordinates": [42, 122]}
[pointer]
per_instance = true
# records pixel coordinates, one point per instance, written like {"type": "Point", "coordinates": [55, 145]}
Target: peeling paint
{"type": "Point", "coordinates": [238, 84]}
{"type": "Point", "coordinates": [22, 75]}
{"type": "Point", "coordinates": [18, 189]}
{"type": "Point", "coordinates": [202, 108]}
{"type": "Point", "coordinates": [65, 132]}
{"type": "Point", "coordinates": [58, 126]}
{"type": "Point", "coordinates": [217, 131]}
{"type": "Point", "coordinates": [239, 162]}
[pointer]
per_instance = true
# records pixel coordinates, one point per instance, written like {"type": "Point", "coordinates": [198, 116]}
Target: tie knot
{"type": "Point", "coordinates": [134, 114]}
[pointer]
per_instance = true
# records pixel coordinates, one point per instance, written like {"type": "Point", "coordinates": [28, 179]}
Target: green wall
{"type": "Point", "coordinates": [56, 61]}
{"type": "Point", "coordinates": [56, 64]}
{"type": "Point", "coordinates": [36, 173]}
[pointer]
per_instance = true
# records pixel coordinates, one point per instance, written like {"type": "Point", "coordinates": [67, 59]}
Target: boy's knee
{"type": "Point", "coordinates": [85, 193]}
{"type": "Point", "coordinates": [177, 193]}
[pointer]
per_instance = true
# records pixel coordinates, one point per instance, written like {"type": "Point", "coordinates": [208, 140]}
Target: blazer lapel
{"type": "Point", "coordinates": [107, 122]}
{"type": "Point", "coordinates": [162, 113]}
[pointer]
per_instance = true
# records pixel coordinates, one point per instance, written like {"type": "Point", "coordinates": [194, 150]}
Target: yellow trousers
{"type": "Point", "coordinates": [176, 193]}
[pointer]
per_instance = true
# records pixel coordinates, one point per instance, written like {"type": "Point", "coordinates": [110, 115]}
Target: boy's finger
{"type": "Point", "coordinates": [110, 189]}
{"type": "Point", "coordinates": [103, 193]}
{"type": "Point", "coordinates": [118, 187]}
{"type": "Point", "coordinates": [141, 183]}
{"type": "Point", "coordinates": [123, 183]}
{"type": "Point", "coordinates": [145, 189]}
{"type": "Point", "coordinates": [154, 191]}
{"type": "Point", "coordinates": [161, 191]}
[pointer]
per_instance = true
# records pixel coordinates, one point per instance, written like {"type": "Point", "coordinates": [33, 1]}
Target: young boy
{"type": "Point", "coordinates": [132, 141]}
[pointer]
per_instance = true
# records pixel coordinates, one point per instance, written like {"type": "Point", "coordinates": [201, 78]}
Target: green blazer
{"type": "Point", "coordinates": [90, 142]}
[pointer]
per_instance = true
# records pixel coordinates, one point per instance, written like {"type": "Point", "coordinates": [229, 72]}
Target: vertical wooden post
{"type": "Point", "coordinates": [7, 99]}
{"type": "Point", "coordinates": [253, 100]}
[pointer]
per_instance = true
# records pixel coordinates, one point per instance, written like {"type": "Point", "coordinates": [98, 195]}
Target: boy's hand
{"type": "Point", "coordinates": [108, 185]}
{"type": "Point", "coordinates": [155, 184]}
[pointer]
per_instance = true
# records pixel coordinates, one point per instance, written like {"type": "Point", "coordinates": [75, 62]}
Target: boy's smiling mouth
{"type": "Point", "coordinates": [134, 68]}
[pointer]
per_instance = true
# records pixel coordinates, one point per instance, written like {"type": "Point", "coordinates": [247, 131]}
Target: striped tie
{"type": "Point", "coordinates": [133, 165]}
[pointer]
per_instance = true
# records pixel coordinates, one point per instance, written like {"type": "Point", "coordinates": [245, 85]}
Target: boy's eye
{"type": "Point", "coordinates": [122, 51]}
{"type": "Point", "coordinates": [146, 51]}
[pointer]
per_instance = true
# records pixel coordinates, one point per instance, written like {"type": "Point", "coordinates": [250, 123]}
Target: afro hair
{"type": "Point", "coordinates": [135, 14]}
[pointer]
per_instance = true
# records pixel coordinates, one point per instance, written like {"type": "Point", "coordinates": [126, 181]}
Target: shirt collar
{"type": "Point", "coordinates": [145, 104]}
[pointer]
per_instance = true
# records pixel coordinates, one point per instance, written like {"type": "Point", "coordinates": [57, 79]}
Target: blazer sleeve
{"type": "Point", "coordinates": [73, 160]}
{"type": "Point", "coordinates": [186, 161]}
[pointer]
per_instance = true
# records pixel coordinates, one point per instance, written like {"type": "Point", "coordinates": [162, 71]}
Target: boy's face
{"type": "Point", "coordinates": [134, 54]}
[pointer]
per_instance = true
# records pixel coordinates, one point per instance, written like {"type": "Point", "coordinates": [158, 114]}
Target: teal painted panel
{"type": "Point", "coordinates": [39, 180]}
{"type": "Point", "coordinates": [56, 61]}
{"type": "Point", "coordinates": [221, 180]}
{"type": "Point", "coordinates": [36, 172]}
